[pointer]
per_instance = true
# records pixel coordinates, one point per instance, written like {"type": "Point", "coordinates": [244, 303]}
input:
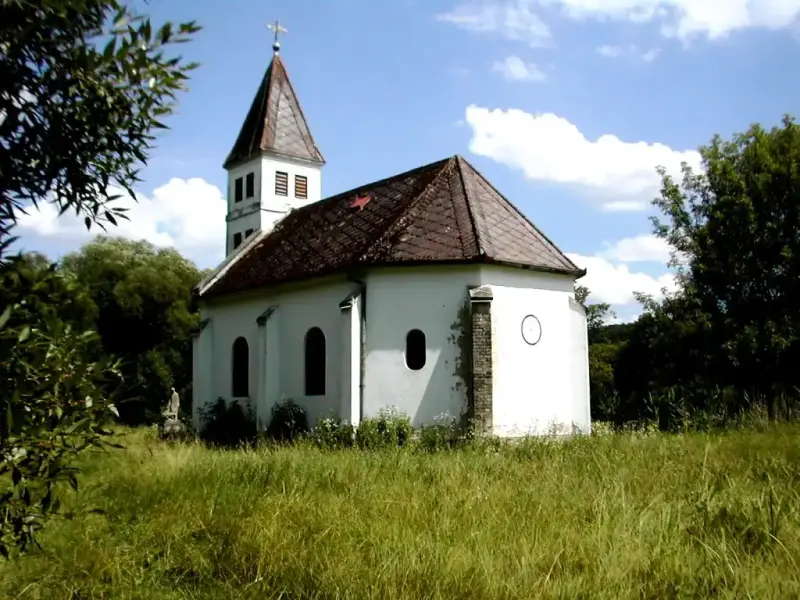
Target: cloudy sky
{"type": "Point", "coordinates": [567, 106]}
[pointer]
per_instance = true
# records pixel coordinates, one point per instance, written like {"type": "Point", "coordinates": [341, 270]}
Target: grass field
{"type": "Point", "coordinates": [619, 516]}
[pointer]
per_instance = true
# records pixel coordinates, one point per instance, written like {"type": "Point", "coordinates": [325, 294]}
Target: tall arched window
{"type": "Point", "coordinates": [315, 362]}
{"type": "Point", "coordinates": [415, 349]}
{"type": "Point", "coordinates": [240, 373]}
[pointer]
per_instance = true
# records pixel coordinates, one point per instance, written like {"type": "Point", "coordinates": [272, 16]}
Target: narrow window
{"type": "Point", "coordinates": [237, 190]}
{"type": "Point", "coordinates": [241, 369]}
{"type": "Point", "coordinates": [247, 233]}
{"type": "Point", "coordinates": [237, 240]}
{"type": "Point", "coordinates": [315, 362]}
{"type": "Point", "coordinates": [250, 185]}
{"type": "Point", "coordinates": [300, 186]}
{"type": "Point", "coordinates": [281, 183]}
{"type": "Point", "coordinates": [415, 350]}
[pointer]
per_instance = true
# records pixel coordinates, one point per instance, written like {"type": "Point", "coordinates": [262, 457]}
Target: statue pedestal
{"type": "Point", "coordinates": [172, 426]}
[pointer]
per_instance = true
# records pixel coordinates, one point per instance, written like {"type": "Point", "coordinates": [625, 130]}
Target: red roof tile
{"type": "Point", "coordinates": [275, 122]}
{"type": "Point", "coordinates": [445, 212]}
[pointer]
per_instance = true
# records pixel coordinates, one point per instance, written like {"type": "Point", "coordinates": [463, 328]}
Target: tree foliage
{"type": "Point", "coordinates": [50, 402]}
{"type": "Point", "coordinates": [85, 83]}
{"type": "Point", "coordinates": [142, 297]}
{"type": "Point", "coordinates": [83, 86]}
{"type": "Point", "coordinates": [731, 334]}
{"type": "Point", "coordinates": [736, 229]}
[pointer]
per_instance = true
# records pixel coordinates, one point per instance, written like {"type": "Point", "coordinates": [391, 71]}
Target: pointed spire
{"type": "Point", "coordinates": [275, 121]}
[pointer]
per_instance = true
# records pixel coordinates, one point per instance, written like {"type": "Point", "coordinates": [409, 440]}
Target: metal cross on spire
{"type": "Point", "coordinates": [278, 29]}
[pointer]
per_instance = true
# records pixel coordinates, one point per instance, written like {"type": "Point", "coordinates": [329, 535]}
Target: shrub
{"type": "Point", "coordinates": [333, 434]}
{"type": "Point", "coordinates": [288, 421]}
{"type": "Point", "coordinates": [391, 428]}
{"type": "Point", "coordinates": [444, 434]}
{"type": "Point", "coordinates": [226, 424]}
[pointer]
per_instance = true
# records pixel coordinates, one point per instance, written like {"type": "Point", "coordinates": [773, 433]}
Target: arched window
{"type": "Point", "coordinates": [241, 369]}
{"type": "Point", "coordinates": [415, 350]}
{"type": "Point", "coordinates": [315, 362]}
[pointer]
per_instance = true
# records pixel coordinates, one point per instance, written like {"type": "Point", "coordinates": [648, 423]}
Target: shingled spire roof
{"type": "Point", "coordinates": [275, 122]}
{"type": "Point", "coordinates": [444, 213]}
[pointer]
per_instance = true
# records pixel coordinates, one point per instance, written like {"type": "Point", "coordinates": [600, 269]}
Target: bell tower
{"type": "Point", "coordinates": [274, 165]}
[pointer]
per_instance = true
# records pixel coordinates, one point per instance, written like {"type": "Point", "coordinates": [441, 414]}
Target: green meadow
{"type": "Point", "coordinates": [610, 516]}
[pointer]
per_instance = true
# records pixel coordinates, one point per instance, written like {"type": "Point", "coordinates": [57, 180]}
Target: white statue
{"type": "Point", "coordinates": [173, 405]}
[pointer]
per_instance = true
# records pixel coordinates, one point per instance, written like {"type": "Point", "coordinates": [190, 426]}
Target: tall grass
{"type": "Point", "coordinates": [616, 516]}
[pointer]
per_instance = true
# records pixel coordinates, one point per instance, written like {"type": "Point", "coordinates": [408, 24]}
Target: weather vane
{"type": "Point", "coordinates": [278, 29]}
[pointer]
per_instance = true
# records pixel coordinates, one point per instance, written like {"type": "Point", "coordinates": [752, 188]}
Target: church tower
{"type": "Point", "coordinates": [274, 165]}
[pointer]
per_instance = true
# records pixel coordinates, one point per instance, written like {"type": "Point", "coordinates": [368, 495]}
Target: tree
{"type": "Point", "coordinates": [143, 300]}
{"type": "Point", "coordinates": [48, 395]}
{"type": "Point", "coordinates": [83, 86]}
{"type": "Point", "coordinates": [735, 227]}
{"type": "Point", "coordinates": [596, 314]}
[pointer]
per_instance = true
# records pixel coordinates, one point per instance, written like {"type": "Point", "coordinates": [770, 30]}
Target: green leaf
{"type": "Point", "coordinates": [110, 49]}
{"type": "Point", "coordinates": [5, 316]}
{"type": "Point", "coordinates": [24, 334]}
{"type": "Point", "coordinates": [165, 33]}
{"type": "Point", "coordinates": [46, 501]}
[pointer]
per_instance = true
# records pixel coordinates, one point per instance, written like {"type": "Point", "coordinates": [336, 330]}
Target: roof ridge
{"type": "Point", "coordinates": [523, 216]}
{"type": "Point", "coordinates": [355, 190]}
{"type": "Point", "coordinates": [393, 225]}
{"type": "Point", "coordinates": [467, 201]}
{"type": "Point", "coordinates": [275, 122]}
{"type": "Point", "coordinates": [300, 108]}
{"type": "Point", "coordinates": [302, 211]}
{"type": "Point", "coordinates": [258, 103]}
{"type": "Point", "coordinates": [267, 96]}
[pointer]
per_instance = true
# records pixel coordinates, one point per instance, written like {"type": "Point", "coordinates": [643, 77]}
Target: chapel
{"type": "Point", "coordinates": [426, 292]}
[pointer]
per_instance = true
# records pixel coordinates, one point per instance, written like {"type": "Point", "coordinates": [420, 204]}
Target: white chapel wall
{"type": "Point", "coordinates": [533, 386]}
{"type": "Point", "coordinates": [579, 352]}
{"type": "Point", "coordinates": [298, 310]}
{"type": "Point", "coordinates": [397, 301]}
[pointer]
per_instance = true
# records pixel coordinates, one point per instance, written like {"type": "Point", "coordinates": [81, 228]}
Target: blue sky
{"type": "Point", "coordinates": [566, 106]}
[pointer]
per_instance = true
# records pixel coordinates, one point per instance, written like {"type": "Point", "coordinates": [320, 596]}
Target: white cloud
{"type": "Point", "coordinates": [610, 51]}
{"type": "Point", "coordinates": [519, 19]}
{"type": "Point", "coordinates": [185, 214]}
{"type": "Point", "coordinates": [513, 20]}
{"type": "Point", "coordinates": [514, 68]}
{"type": "Point", "coordinates": [650, 55]}
{"type": "Point", "coordinates": [686, 18]}
{"type": "Point", "coordinates": [641, 248]}
{"type": "Point", "coordinates": [625, 205]}
{"type": "Point", "coordinates": [616, 283]}
{"type": "Point", "coordinates": [548, 148]}
{"type": "Point", "coordinates": [631, 50]}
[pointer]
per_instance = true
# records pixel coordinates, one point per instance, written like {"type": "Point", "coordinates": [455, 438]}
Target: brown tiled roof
{"type": "Point", "coordinates": [445, 212]}
{"type": "Point", "coordinates": [275, 122]}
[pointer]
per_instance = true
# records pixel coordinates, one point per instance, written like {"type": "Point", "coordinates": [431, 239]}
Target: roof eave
{"type": "Point", "coordinates": [232, 162]}
{"type": "Point", "coordinates": [210, 292]}
{"type": "Point", "coordinates": [577, 273]}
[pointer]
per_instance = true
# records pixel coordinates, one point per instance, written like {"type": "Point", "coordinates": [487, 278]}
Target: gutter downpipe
{"type": "Point", "coordinates": [362, 291]}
